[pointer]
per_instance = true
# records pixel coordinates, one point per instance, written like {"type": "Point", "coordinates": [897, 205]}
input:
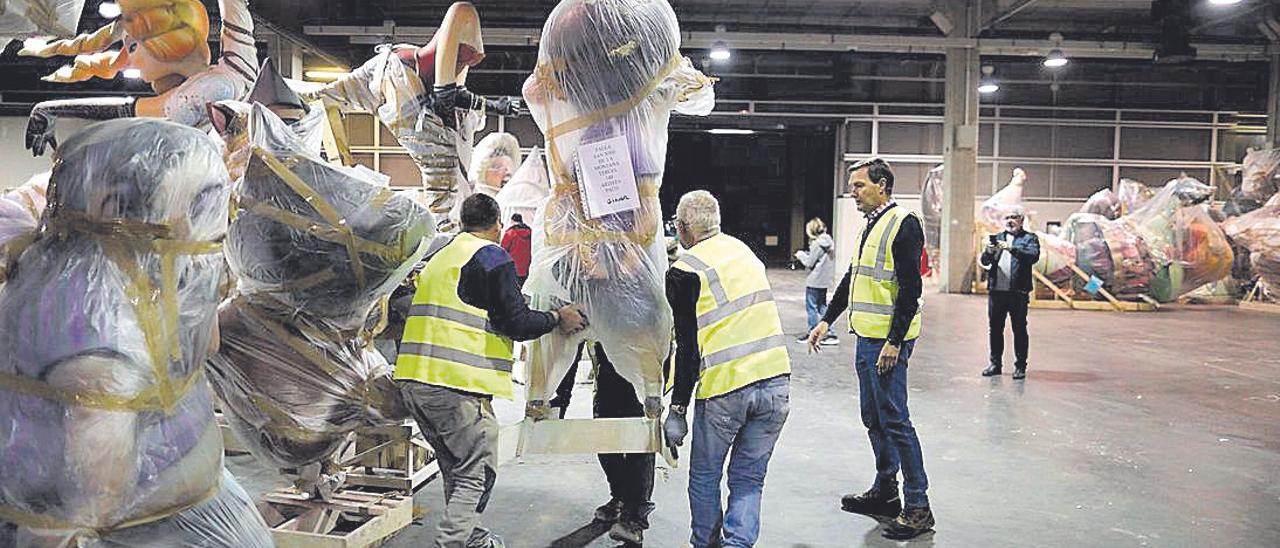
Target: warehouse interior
{"type": "Point", "coordinates": [1150, 411]}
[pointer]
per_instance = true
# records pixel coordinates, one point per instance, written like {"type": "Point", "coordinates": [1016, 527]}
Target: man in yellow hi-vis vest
{"type": "Point", "coordinates": [729, 342]}
{"type": "Point", "coordinates": [456, 355]}
{"type": "Point", "coordinates": [882, 292]}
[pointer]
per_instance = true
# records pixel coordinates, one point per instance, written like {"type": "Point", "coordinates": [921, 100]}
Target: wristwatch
{"type": "Point", "coordinates": [679, 409]}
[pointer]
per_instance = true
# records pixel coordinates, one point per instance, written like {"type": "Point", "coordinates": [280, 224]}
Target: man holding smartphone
{"type": "Point", "coordinates": [1010, 256]}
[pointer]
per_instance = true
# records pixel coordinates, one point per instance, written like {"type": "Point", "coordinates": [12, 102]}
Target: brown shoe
{"type": "Point", "coordinates": [911, 523]}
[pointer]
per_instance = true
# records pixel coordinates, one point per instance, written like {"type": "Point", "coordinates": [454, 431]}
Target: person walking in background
{"type": "Point", "coordinates": [1009, 256]}
{"type": "Point", "coordinates": [820, 260]}
{"type": "Point", "coordinates": [518, 242]}
{"type": "Point", "coordinates": [882, 293]}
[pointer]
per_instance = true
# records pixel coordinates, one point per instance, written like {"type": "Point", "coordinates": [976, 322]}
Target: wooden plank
{"type": "Point", "coordinates": [315, 527]}
{"type": "Point", "coordinates": [1261, 307]}
{"type": "Point", "coordinates": [1121, 306]}
{"type": "Point", "coordinates": [572, 436]}
{"type": "Point", "coordinates": [1052, 286]}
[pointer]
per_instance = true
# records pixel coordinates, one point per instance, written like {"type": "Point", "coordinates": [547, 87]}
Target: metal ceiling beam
{"type": "Point", "coordinates": [1013, 10]}
{"type": "Point", "coordinates": [528, 37]}
{"type": "Point", "coordinates": [263, 25]}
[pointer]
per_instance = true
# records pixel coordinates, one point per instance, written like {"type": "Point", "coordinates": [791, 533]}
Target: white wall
{"type": "Point", "coordinates": [16, 162]}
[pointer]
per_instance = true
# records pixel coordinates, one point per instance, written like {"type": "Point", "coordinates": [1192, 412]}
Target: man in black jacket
{"type": "Point", "coordinates": [1010, 256]}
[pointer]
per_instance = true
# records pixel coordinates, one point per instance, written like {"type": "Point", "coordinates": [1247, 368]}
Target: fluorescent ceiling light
{"type": "Point", "coordinates": [730, 131]}
{"type": "Point", "coordinates": [1055, 59]}
{"type": "Point", "coordinates": [720, 51]}
{"type": "Point", "coordinates": [1224, 2]}
{"type": "Point", "coordinates": [326, 74]}
{"type": "Point", "coordinates": [988, 87]}
{"type": "Point", "coordinates": [132, 74]}
{"type": "Point", "coordinates": [109, 10]}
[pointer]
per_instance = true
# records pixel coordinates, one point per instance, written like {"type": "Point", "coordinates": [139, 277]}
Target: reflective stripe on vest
{"type": "Point", "coordinates": [739, 332]}
{"type": "Point", "coordinates": [448, 342]}
{"type": "Point", "coordinates": [874, 285]}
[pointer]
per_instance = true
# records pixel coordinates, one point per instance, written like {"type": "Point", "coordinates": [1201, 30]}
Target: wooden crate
{"type": "Point", "coordinates": [352, 518]}
{"type": "Point", "coordinates": [391, 457]}
{"type": "Point", "coordinates": [1063, 299]}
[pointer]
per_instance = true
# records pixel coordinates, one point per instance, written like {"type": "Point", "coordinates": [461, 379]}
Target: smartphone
{"type": "Point", "coordinates": [993, 238]}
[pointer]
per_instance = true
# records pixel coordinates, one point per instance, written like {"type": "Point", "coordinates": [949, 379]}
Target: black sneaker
{"type": "Point", "coordinates": [609, 512]}
{"type": "Point", "coordinates": [830, 341]}
{"type": "Point", "coordinates": [881, 502]}
{"type": "Point", "coordinates": [803, 339]}
{"type": "Point", "coordinates": [629, 529]}
{"type": "Point", "coordinates": [991, 370]}
{"type": "Point", "coordinates": [483, 538]}
{"type": "Point", "coordinates": [910, 524]}
{"type": "Point", "coordinates": [1019, 373]}
{"type": "Point", "coordinates": [628, 532]}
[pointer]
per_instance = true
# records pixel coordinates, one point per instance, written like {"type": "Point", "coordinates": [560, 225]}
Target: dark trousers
{"type": "Point", "coordinates": [1014, 305]}
{"type": "Point", "coordinates": [630, 475]}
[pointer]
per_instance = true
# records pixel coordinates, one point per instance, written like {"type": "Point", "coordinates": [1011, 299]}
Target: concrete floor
{"type": "Point", "coordinates": [1159, 429]}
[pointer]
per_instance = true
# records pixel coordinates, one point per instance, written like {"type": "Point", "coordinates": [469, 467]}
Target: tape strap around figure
{"type": "Point", "coordinates": [336, 223]}
{"type": "Point", "coordinates": [116, 237]}
{"type": "Point", "coordinates": [32, 520]}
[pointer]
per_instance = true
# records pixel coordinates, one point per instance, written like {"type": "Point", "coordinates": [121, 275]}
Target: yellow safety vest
{"type": "Point", "coordinates": [448, 342]}
{"type": "Point", "coordinates": [739, 331]}
{"type": "Point", "coordinates": [874, 284]}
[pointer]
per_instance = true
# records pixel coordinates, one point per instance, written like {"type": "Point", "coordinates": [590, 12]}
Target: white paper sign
{"type": "Point", "coordinates": [606, 177]}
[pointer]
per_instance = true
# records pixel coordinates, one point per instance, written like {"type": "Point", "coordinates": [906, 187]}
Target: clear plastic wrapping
{"type": "Point", "coordinates": [991, 214]}
{"type": "Point", "coordinates": [1112, 251]}
{"type": "Point", "coordinates": [1259, 232]}
{"type": "Point", "coordinates": [527, 190]}
{"type": "Point", "coordinates": [1187, 247]}
{"type": "Point", "coordinates": [106, 421]}
{"type": "Point", "coordinates": [493, 162]}
{"type": "Point", "coordinates": [231, 122]}
{"type": "Point", "coordinates": [1057, 254]}
{"type": "Point", "coordinates": [21, 19]}
{"type": "Point", "coordinates": [931, 210]}
{"type": "Point", "coordinates": [1132, 195]}
{"type": "Point", "coordinates": [1261, 172]}
{"type": "Point", "coordinates": [389, 89]}
{"type": "Point", "coordinates": [1103, 202]}
{"type": "Point", "coordinates": [609, 71]}
{"type": "Point", "coordinates": [20, 210]}
{"type": "Point", "coordinates": [315, 250]}
{"type": "Point", "coordinates": [323, 240]}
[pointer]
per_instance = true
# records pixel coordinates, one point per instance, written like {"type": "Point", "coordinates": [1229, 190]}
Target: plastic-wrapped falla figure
{"type": "Point", "coordinates": [39, 18]}
{"type": "Point", "coordinates": [106, 421]}
{"type": "Point", "coordinates": [314, 249]}
{"type": "Point", "coordinates": [165, 40]}
{"type": "Point", "coordinates": [609, 74]}
{"type": "Point", "coordinates": [1259, 232]}
{"type": "Point", "coordinates": [527, 190]}
{"type": "Point", "coordinates": [493, 163]}
{"type": "Point", "coordinates": [420, 94]}
{"type": "Point", "coordinates": [230, 118]}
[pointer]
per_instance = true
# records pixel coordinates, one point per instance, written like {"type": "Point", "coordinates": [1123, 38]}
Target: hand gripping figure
{"type": "Point", "coordinates": [107, 435]}
{"type": "Point", "coordinates": [167, 41]}
{"type": "Point", "coordinates": [607, 70]}
{"type": "Point", "coordinates": [420, 94]}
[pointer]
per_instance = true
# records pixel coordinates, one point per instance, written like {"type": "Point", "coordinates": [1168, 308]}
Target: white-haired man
{"type": "Point", "coordinates": [1009, 255]}
{"type": "Point", "coordinates": [729, 342]}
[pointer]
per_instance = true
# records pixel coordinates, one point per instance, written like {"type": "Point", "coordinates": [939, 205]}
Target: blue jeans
{"type": "Point", "coordinates": [748, 422]}
{"type": "Point", "coordinates": [884, 413]}
{"type": "Point", "coordinates": [815, 304]}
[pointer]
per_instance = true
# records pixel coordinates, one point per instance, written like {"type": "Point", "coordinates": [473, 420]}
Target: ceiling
{"type": "Point", "coordinates": [828, 50]}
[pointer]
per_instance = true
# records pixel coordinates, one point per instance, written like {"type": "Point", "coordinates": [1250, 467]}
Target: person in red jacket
{"type": "Point", "coordinates": [518, 243]}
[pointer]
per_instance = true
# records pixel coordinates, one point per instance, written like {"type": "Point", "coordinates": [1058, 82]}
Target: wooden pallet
{"type": "Point", "coordinates": [391, 457]}
{"type": "Point", "coordinates": [352, 518]}
{"type": "Point", "coordinates": [1064, 300]}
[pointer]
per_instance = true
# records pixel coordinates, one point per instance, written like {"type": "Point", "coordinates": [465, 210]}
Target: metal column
{"type": "Point", "coordinates": [960, 175]}
{"type": "Point", "coordinates": [1273, 102]}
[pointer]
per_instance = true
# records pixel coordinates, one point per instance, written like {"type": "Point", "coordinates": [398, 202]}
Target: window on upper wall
{"type": "Point", "coordinates": [910, 138]}
{"type": "Point", "coordinates": [858, 137]}
{"type": "Point", "coordinates": [1164, 144]}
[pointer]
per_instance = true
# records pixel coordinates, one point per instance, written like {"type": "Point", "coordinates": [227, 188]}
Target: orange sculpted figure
{"type": "Point", "coordinates": [167, 42]}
